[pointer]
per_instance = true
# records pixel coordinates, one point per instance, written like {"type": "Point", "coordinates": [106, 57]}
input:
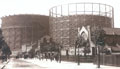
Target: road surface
{"type": "Point", "coordinates": [20, 64]}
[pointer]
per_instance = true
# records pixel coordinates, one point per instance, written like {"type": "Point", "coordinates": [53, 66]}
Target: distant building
{"type": "Point", "coordinates": [112, 39]}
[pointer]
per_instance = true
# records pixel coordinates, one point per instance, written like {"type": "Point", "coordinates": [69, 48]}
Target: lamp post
{"type": "Point", "coordinates": [39, 49]}
{"type": "Point", "coordinates": [98, 56]}
{"type": "Point", "coordinates": [78, 56]}
{"type": "Point", "coordinates": [98, 35]}
{"type": "Point", "coordinates": [99, 43]}
{"type": "Point", "coordinates": [60, 54]}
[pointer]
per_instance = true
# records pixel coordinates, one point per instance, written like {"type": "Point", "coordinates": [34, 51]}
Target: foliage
{"type": "Point", "coordinates": [3, 45]}
{"type": "Point", "coordinates": [50, 47]}
{"type": "Point", "coordinates": [80, 42]}
{"type": "Point", "coordinates": [31, 53]}
{"type": "Point", "coordinates": [5, 48]}
{"type": "Point", "coordinates": [97, 35]}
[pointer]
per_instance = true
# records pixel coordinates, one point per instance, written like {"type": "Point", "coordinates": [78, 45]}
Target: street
{"type": "Point", "coordinates": [20, 64]}
{"type": "Point", "coordinates": [47, 64]}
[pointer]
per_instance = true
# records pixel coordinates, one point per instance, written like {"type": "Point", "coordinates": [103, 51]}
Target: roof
{"type": "Point", "coordinates": [115, 49]}
{"type": "Point", "coordinates": [112, 31]}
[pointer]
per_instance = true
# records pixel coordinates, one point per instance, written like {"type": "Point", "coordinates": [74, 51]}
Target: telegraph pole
{"type": "Point", "coordinates": [39, 48]}
{"type": "Point", "coordinates": [78, 56]}
{"type": "Point", "coordinates": [60, 53]}
{"type": "Point", "coordinates": [98, 57]}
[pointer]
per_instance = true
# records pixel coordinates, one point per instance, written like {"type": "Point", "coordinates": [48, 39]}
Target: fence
{"type": "Point", "coordinates": [111, 60]}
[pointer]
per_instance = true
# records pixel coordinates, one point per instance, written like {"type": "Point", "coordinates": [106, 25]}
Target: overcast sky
{"type": "Point", "coordinates": [11, 7]}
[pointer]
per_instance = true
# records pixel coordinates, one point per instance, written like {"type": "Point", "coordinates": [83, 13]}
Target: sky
{"type": "Point", "coordinates": [13, 7]}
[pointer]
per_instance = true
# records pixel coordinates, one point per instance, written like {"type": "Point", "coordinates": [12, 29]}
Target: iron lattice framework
{"type": "Point", "coordinates": [65, 19]}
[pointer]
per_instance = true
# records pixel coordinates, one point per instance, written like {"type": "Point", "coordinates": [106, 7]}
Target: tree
{"type": "Point", "coordinates": [50, 47]}
{"type": "Point", "coordinates": [5, 48]}
{"type": "Point", "coordinates": [86, 48]}
{"type": "Point", "coordinates": [6, 52]}
{"type": "Point", "coordinates": [80, 42]}
{"type": "Point", "coordinates": [97, 36]}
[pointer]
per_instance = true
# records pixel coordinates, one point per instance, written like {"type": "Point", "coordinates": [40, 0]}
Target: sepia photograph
{"type": "Point", "coordinates": [59, 34]}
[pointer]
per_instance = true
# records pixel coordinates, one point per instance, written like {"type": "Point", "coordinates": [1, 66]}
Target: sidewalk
{"type": "Point", "coordinates": [66, 65]}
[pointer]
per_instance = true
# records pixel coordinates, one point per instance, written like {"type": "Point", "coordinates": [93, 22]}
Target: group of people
{"type": "Point", "coordinates": [51, 56]}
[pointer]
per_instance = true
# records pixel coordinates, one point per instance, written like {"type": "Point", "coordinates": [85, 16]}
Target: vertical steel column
{"type": "Point", "coordinates": [25, 34]}
{"type": "Point", "coordinates": [105, 14]}
{"type": "Point", "coordinates": [32, 35]}
{"type": "Point", "coordinates": [56, 24]}
{"type": "Point", "coordinates": [49, 22]}
{"type": "Point", "coordinates": [112, 17]}
{"type": "Point", "coordinates": [25, 38]}
{"type": "Point", "coordinates": [61, 11]}
{"type": "Point", "coordinates": [38, 38]}
{"type": "Point", "coordinates": [84, 14]}
{"type": "Point", "coordinates": [99, 9]}
{"type": "Point", "coordinates": [67, 46]}
{"type": "Point", "coordinates": [98, 47]}
{"type": "Point", "coordinates": [92, 13]}
{"type": "Point", "coordinates": [99, 14]}
{"type": "Point", "coordinates": [14, 37]}
{"type": "Point", "coordinates": [77, 27]}
{"type": "Point", "coordinates": [52, 23]}
{"type": "Point", "coordinates": [61, 29]}
{"type": "Point", "coordinates": [9, 37]}
{"type": "Point", "coordinates": [21, 39]}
